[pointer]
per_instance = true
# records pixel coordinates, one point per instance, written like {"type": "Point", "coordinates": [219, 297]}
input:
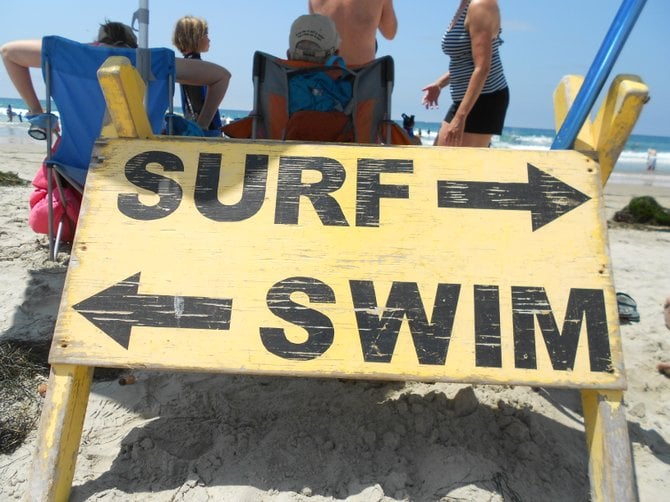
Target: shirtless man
{"type": "Point", "coordinates": [357, 22]}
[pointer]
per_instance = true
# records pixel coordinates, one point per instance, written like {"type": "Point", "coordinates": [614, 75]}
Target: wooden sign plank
{"type": "Point", "coordinates": [439, 264]}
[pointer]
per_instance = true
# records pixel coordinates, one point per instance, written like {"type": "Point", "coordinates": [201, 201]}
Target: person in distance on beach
{"type": "Point", "coordinates": [357, 22]}
{"type": "Point", "coordinates": [21, 55]}
{"type": "Point", "coordinates": [651, 159]}
{"type": "Point", "coordinates": [478, 86]}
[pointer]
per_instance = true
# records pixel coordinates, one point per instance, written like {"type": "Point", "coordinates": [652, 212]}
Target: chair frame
{"type": "Point", "coordinates": [289, 67]}
{"type": "Point", "coordinates": [57, 175]}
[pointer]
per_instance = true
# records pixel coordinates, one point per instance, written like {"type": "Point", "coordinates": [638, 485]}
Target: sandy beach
{"type": "Point", "coordinates": [204, 437]}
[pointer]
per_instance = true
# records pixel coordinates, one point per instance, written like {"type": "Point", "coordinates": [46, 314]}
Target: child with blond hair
{"type": "Point", "coordinates": [191, 38]}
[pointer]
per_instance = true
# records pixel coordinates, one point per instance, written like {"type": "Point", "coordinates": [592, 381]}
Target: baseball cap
{"type": "Point", "coordinates": [317, 29]}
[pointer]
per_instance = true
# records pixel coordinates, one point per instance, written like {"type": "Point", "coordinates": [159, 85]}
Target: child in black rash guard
{"type": "Point", "coordinates": [191, 37]}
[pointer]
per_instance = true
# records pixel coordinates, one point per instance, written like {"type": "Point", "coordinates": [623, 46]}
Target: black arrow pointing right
{"type": "Point", "coordinates": [118, 308]}
{"type": "Point", "coordinates": [545, 196]}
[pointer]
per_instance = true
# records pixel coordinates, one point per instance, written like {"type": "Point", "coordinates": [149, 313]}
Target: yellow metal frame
{"type": "Point", "coordinates": [604, 137]}
{"type": "Point", "coordinates": [610, 464]}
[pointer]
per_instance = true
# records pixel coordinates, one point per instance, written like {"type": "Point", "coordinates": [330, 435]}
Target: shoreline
{"type": "Point", "coordinates": [201, 436]}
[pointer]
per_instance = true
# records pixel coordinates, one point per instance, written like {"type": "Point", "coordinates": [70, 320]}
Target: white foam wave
{"type": "Point", "coordinates": [643, 179]}
{"type": "Point", "coordinates": [632, 155]}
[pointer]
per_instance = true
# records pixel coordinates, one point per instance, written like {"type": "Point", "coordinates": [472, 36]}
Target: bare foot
{"type": "Point", "coordinates": [664, 369]}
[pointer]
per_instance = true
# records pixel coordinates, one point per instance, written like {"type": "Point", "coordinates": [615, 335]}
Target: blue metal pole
{"type": "Point", "coordinates": [597, 75]}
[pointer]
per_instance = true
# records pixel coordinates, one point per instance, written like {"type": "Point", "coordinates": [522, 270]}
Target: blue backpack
{"type": "Point", "coordinates": [318, 90]}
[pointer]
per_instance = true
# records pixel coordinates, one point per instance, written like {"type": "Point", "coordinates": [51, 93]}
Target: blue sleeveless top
{"type": "Point", "coordinates": [193, 97]}
{"type": "Point", "coordinates": [456, 44]}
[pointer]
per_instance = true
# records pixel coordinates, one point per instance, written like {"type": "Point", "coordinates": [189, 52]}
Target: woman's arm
{"type": "Point", "coordinates": [215, 77]}
{"type": "Point", "coordinates": [19, 56]}
{"type": "Point", "coordinates": [482, 23]}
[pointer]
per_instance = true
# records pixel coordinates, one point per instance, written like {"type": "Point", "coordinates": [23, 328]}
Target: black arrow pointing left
{"type": "Point", "coordinates": [118, 308]}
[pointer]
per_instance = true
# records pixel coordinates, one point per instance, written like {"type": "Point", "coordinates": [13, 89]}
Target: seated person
{"type": "Point", "coordinates": [320, 102]}
{"type": "Point", "coordinates": [317, 101]}
{"type": "Point", "coordinates": [191, 37]}
{"type": "Point", "coordinates": [21, 55]}
{"type": "Point", "coordinates": [313, 38]}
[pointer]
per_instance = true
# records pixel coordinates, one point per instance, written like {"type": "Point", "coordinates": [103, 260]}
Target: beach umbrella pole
{"type": "Point", "coordinates": [143, 60]}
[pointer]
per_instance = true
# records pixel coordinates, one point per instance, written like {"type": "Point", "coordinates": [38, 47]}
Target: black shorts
{"type": "Point", "coordinates": [488, 114]}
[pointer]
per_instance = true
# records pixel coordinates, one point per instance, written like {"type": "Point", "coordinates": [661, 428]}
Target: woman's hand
{"type": "Point", "coordinates": [430, 96]}
{"type": "Point", "coordinates": [432, 91]}
{"type": "Point", "coordinates": [451, 133]}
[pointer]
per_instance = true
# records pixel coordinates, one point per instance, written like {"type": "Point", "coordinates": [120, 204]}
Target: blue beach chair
{"type": "Point", "coordinates": [70, 74]}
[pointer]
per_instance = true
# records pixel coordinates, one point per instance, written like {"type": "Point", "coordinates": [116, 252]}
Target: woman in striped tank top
{"type": "Point", "coordinates": [478, 86]}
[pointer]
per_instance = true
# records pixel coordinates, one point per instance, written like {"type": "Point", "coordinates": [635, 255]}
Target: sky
{"type": "Point", "coordinates": [544, 40]}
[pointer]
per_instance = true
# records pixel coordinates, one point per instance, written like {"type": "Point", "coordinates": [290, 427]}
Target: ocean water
{"type": "Point", "coordinates": [633, 158]}
{"type": "Point", "coordinates": [631, 164]}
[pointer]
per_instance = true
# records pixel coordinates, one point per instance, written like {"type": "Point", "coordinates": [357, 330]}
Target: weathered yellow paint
{"type": "Point", "coordinates": [187, 254]}
{"type": "Point", "coordinates": [610, 459]}
{"type": "Point", "coordinates": [124, 93]}
{"type": "Point", "coordinates": [605, 137]}
{"type": "Point", "coordinates": [616, 118]}
{"type": "Point", "coordinates": [564, 95]}
{"type": "Point", "coordinates": [59, 433]}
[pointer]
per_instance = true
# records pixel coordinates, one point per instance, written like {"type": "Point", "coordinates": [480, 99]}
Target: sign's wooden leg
{"type": "Point", "coordinates": [610, 457]}
{"type": "Point", "coordinates": [59, 433]}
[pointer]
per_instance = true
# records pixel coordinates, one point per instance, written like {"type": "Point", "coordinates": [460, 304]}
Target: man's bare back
{"type": "Point", "coordinates": [357, 22]}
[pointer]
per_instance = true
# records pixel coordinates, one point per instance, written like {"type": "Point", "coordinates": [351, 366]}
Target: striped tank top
{"type": "Point", "coordinates": [456, 44]}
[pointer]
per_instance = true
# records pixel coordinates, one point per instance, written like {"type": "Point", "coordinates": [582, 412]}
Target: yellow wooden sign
{"type": "Point", "coordinates": [440, 264]}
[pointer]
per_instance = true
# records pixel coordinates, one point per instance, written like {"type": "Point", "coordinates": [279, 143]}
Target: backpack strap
{"type": "Point", "coordinates": [335, 60]}
{"type": "Point", "coordinates": [338, 61]}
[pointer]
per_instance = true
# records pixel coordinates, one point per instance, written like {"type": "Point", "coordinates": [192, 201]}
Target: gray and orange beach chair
{"type": "Point", "coordinates": [366, 119]}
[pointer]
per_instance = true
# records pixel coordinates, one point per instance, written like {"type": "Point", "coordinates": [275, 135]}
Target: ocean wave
{"type": "Point", "coordinates": [633, 158]}
{"type": "Point", "coordinates": [646, 178]}
{"type": "Point", "coordinates": [522, 141]}
{"type": "Point", "coordinates": [633, 155]}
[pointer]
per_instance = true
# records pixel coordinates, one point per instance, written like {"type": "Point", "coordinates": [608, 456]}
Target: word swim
{"type": "Point", "coordinates": [378, 326]}
{"type": "Point", "coordinates": [378, 333]}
